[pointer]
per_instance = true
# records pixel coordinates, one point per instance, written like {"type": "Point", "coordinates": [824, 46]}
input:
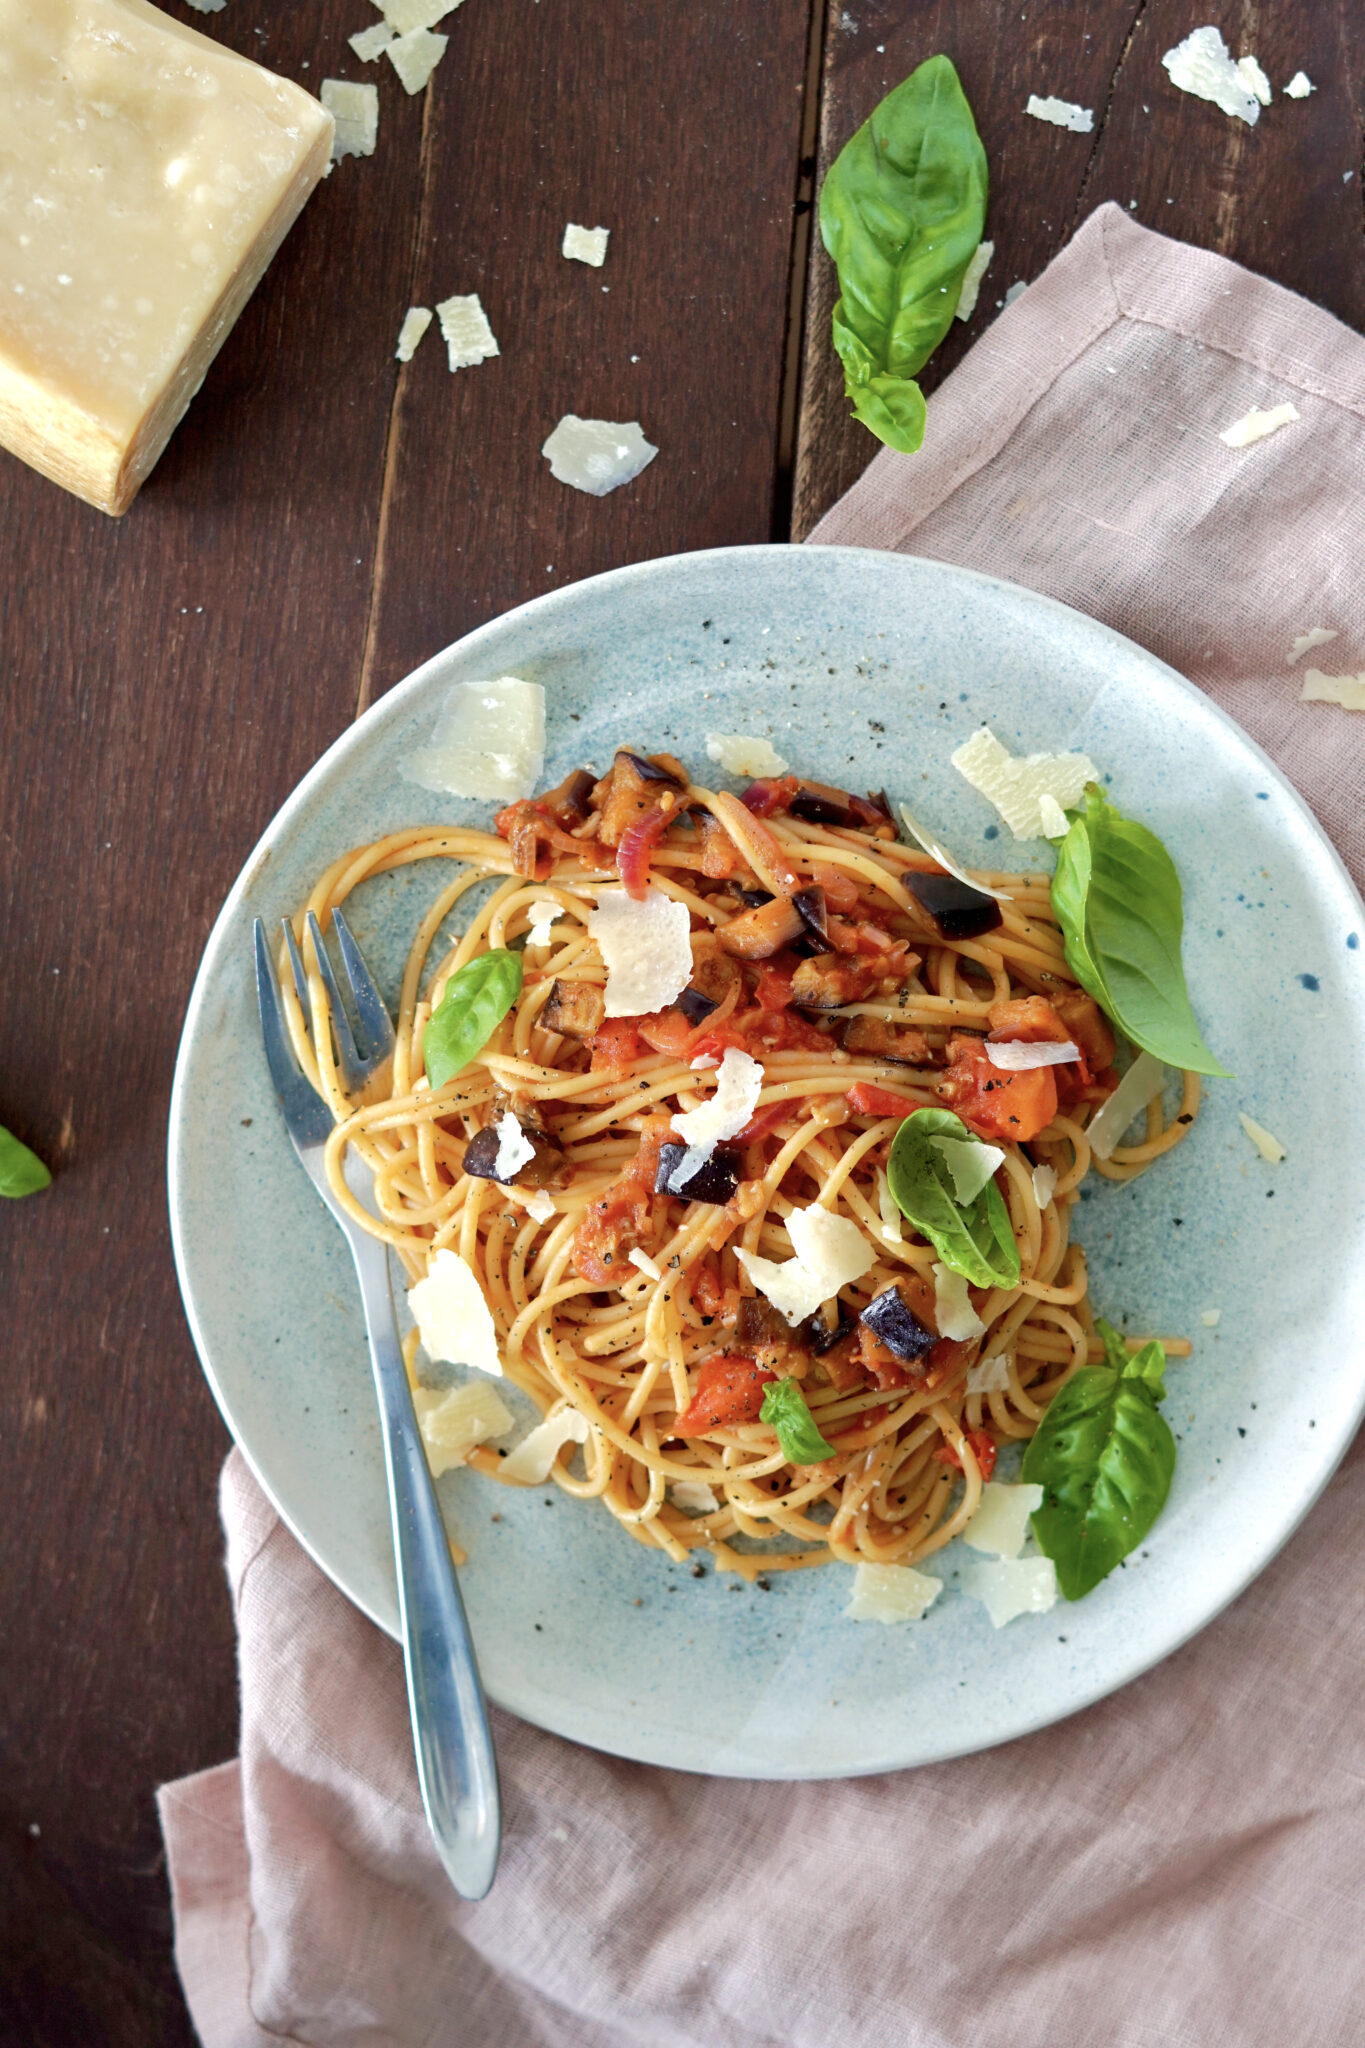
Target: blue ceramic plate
{"type": "Point", "coordinates": [866, 669]}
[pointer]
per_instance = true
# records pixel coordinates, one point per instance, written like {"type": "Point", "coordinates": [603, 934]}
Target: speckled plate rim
{"type": "Point", "coordinates": [529, 1704]}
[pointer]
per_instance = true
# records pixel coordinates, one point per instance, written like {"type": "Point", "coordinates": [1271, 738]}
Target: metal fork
{"type": "Point", "coordinates": [456, 1766]}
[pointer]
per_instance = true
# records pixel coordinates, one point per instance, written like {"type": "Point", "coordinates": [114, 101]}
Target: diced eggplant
{"type": "Point", "coordinates": [875, 1038]}
{"type": "Point", "coordinates": [873, 810]}
{"type": "Point", "coordinates": [831, 980]}
{"type": "Point", "coordinates": [764, 1334]}
{"type": "Point", "coordinates": [753, 897]}
{"type": "Point", "coordinates": [575, 1008]}
{"type": "Point", "coordinates": [758, 934]}
{"type": "Point", "coordinates": [715, 1180]}
{"type": "Point", "coordinates": [958, 910]}
{"type": "Point", "coordinates": [544, 1169]}
{"type": "Point", "coordinates": [695, 1006]}
{"type": "Point", "coordinates": [818, 804]}
{"type": "Point", "coordinates": [821, 1338]}
{"type": "Point", "coordinates": [714, 973]}
{"type": "Point", "coordinates": [894, 1323]}
{"type": "Point", "coordinates": [814, 915]}
{"type": "Point", "coordinates": [658, 768]}
{"type": "Point", "coordinates": [568, 803]}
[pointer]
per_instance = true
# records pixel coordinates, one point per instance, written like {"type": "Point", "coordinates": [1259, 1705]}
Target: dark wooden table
{"type": "Point", "coordinates": [321, 523]}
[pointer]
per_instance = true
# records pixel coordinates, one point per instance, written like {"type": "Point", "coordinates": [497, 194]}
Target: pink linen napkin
{"type": "Point", "coordinates": [1179, 1867]}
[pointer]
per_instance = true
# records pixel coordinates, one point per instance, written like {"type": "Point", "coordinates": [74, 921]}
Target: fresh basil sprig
{"type": "Point", "coordinates": [975, 1238]}
{"type": "Point", "coordinates": [784, 1409]}
{"type": "Point", "coordinates": [476, 1000]}
{"type": "Point", "coordinates": [1104, 1459]}
{"type": "Point", "coordinates": [901, 212]}
{"type": "Point", "coordinates": [1117, 896]}
{"type": "Point", "coordinates": [21, 1172]}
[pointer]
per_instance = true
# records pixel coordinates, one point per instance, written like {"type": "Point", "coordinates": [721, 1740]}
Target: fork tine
{"type": "Point", "coordinates": [296, 968]}
{"type": "Point", "coordinates": [348, 1059]}
{"type": "Point", "coordinates": [376, 1026]}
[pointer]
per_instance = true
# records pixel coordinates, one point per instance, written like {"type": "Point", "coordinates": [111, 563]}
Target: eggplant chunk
{"type": "Point", "coordinates": [894, 1323]}
{"type": "Point", "coordinates": [830, 980]}
{"type": "Point", "coordinates": [715, 1180]}
{"type": "Point", "coordinates": [758, 934]}
{"type": "Point", "coordinates": [544, 1169]}
{"type": "Point", "coordinates": [958, 911]}
{"type": "Point", "coordinates": [764, 1334]}
{"type": "Point", "coordinates": [575, 1008]}
{"type": "Point", "coordinates": [900, 1043]}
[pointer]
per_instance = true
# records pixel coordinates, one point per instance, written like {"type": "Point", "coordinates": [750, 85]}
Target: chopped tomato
{"type": "Point", "coordinates": [707, 1291]}
{"type": "Point", "coordinates": [615, 1046]}
{"type": "Point", "coordinates": [729, 1391]}
{"type": "Point", "coordinates": [1033, 1020]}
{"type": "Point", "coordinates": [997, 1104]}
{"type": "Point", "coordinates": [865, 1098]}
{"type": "Point", "coordinates": [882, 1365]}
{"type": "Point", "coordinates": [669, 1032]}
{"type": "Point", "coordinates": [621, 1212]}
{"type": "Point", "coordinates": [981, 1446]}
{"type": "Point", "coordinates": [774, 991]}
{"type": "Point", "coordinates": [762, 1121]}
{"type": "Point", "coordinates": [780, 1031]}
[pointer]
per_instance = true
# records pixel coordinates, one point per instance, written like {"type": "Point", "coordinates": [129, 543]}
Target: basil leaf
{"type": "Point", "coordinates": [476, 1000]}
{"type": "Point", "coordinates": [901, 212]}
{"type": "Point", "coordinates": [21, 1172]}
{"type": "Point", "coordinates": [1117, 897]}
{"type": "Point", "coordinates": [784, 1409]}
{"type": "Point", "coordinates": [1104, 1459]}
{"type": "Point", "coordinates": [975, 1239]}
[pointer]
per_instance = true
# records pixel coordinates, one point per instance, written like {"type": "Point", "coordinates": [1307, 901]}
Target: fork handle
{"type": "Point", "coordinates": [456, 1765]}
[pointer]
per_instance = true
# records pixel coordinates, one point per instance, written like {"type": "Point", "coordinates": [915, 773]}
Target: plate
{"type": "Point", "coordinates": [866, 669]}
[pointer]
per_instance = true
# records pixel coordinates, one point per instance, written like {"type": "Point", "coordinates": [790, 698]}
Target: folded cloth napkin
{"type": "Point", "coordinates": [1178, 1867]}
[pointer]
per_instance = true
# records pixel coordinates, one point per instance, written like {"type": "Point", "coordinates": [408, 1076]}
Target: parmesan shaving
{"type": "Point", "coordinates": [990, 1375]}
{"type": "Point", "coordinates": [1348, 691]}
{"type": "Point", "coordinates": [488, 743]}
{"type": "Point", "coordinates": [831, 1252]}
{"type": "Point", "coordinates": [453, 1422]}
{"type": "Point", "coordinates": [355, 109]}
{"type": "Point", "coordinates": [646, 950]}
{"type": "Point", "coordinates": [414, 57]}
{"type": "Point", "coordinates": [893, 1223]}
{"type": "Point", "coordinates": [405, 16]}
{"type": "Point", "coordinates": [1012, 1586]}
{"type": "Point", "coordinates": [1017, 783]}
{"type": "Point", "coordinates": [938, 852]}
{"type": "Point", "coordinates": [723, 1115]}
{"type": "Point", "coordinates": [891, 1593]}
{"type": "Point", "coordinates": [1210, 1317]}
{"type": "Point", "coordinates": [1144, 1079]}
{"type": "Point", "coordinates": [970, 1165]}
{"type": "Point", "coordinates": [693, 1496]}
{"type": "Point", "coordinates": [1203, 65]}
{"type": "Point", "coordinates": [1044, 1184]}
{"type": "Point", "coordinates": [1254, 426]}
{"type": "Point", "coordinates": [740, 754]}
{"type": "Point", "coordinates": [1061, 113]}
{"type": "Point", "coordinates": [1020, 1056]}
{"type": "Point", "coordinates": [530, 1462]}
{"type": "Point", "coordinates": [1052, 817]}
{"type": "Point", "coordinates": [971, 279]}
{"type": "Point", "coordinates": [515, 1149]}
{"type": "Point", "coordinates": [1304, 643]}
{"type": "Point", "coordinates": [1299, 86]}
{"type": "Point", "coordinates": [585, 245]}
{"type": "Point", "coordinates": [953, 1311]}
{"type": "Point", "coordinates": [1255, 80]}
{"type": "Point", "coordinates": [373, 41]}
{"type": "Point", "coordinates": [544, 914]}
{"type": "Point", "coordinates": [1000, 1523]}
{"type": "Point", "coordinates": [453, 1319]}
{"type": "Point", "coordinates": [468, 336]}
{"type": "Point", "coordinates": [208, 6]}
{"type": "Point", "coordinates": [651, 1268]}
{"type": "Point", "coordinates": [1269, 1147]}
{"type": "Point", "coordinates": [597, 456]}
{"type": "Point", "coordinates": [416, 321]}
{"type": "Point", "coordinates": [541, 1205]}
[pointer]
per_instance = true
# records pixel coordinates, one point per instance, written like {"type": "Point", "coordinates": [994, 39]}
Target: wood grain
{"type": "Point", "coordinates": [1275, 197]}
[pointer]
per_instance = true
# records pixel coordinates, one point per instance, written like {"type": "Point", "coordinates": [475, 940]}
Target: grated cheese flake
{"type": "Point", "coordinates": [1000, 1524]}
{"type": "Point", "coordinates": [373, 41]}
{"type": "Point", "coordinates": [1347, 691]}
{"type": "Point", "coordinates": [416, 321]}
{"type": "Point", "coordinates": [1304, 643]}
{"type": "Point", "coordinates": [544, 914]}
{"type": "Point", "coordinates": [1013, 1585]}
{"type": "Point", "coordinates": [693, 1496]}
{"type": "Point", "coordinates": [937, 851]}
{"type": "Point", "coordinates": [889, 1209]}
{"type": "Point", "coordinates": [415, 56]}
{"type": "Point", "coordinates": [468, 336]}
{"type": "Point", "coordinates": [488, 743]}
{"type": "Point", "coordinates": [453, 1319]}
{"type": "Point", "coordinates": [355, 109]}
{"type": "Point", "coordinates": [1210, 1317]}
{"type": "Point", "coordinates": [1269, 1147]}
{"type": "Point", "coordinates": [970, 1165]}
{"type": "Point", "coordinates": [1203, 65]}
{"type": "Point", "coordinates": [651, 1268]}
{"type": "Point", "coordinates": [208, 6]}
{"type": "Point", "coordinates": [1023, 1056]}
{"type": "Point", "coordinates": [1299, 86]}
{"type": "Point", "coordinates": [723, 1115]}
{"type": "Point", "coordinates": [891, 1593]}
{"type": "Point", "coordinates": [541, 1205]}
{"type": "Point", "coordinates": [990, 1375]}
{"type": "Point", "coordinates": [1044, 1184]}
{"type": "Point", "coordinates": [1017, 783]}
{"type": "Point", "coordinates": [529, 1464]}
{"type": "Point", "coordinates": [739, 753]}
{"type": "Point", "coordinates": [1144, 1079]}
{"type": "Point", "coordinates": [645, 948]}
{"type": "Point", "coordinates": [454, 1421]}
{"type": "Point", "coordinates": [971, 279]}
{"type": "Point", "coordinates": [515, 1149]}
{"type": "Point", "coordinates": [1255, 80]}
{"type": "Point", "coordinates": [1254, 426]}
{"type": "Point", "coordinates": [953, 1311]}
{"type": "Point", "coordinates": [405, 16]}
{"type": "Point", "coordinates": [585, 245]}
{"type": "Point", "coordinates": [1052, 817]}
{"type": "Point", "coordinates": [1061, 113]}
{"type": "Point", "coordinates": [831, 1252]}
{"type": "Point", "coordinates": [597, 456]}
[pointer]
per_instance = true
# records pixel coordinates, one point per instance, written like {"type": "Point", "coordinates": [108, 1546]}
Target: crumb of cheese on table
{"type": "Point", "coordinates": [585, 245]}
{"type": "Point", "coordinates": [415, 56]}
{"type": "Point", "coordinates": [416, 321]}
{"type": "Point", "coordinates": [355, 109]}
{"type": "Point", "coordinates": [149, 177]}
{"type": "Point", "coordinates": [469, 338]}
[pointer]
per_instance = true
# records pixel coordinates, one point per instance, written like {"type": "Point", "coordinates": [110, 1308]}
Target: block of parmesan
{"type": "Point", "coordinates": [148, 176]}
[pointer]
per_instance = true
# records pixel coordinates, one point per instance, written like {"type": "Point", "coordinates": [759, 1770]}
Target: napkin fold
{"type": "Point", "coordinates": [1178, 1867]}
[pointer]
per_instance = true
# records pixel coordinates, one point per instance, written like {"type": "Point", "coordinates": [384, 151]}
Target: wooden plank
{"type": "Point", "coordinates": [168, 679]}
{"type": "Point", "coordinates": [1275, 197]}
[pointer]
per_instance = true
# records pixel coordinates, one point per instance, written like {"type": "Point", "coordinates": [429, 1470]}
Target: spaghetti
{"type": "Point", "coordinates": [814, 952]}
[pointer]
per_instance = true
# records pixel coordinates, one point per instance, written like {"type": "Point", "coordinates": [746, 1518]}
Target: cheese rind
{"type": "Point", "coordinates": [147, 176]}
